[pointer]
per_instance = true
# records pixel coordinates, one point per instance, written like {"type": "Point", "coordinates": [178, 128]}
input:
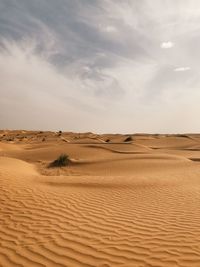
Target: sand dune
{"type": "Point", "coordinates": [117, 204]}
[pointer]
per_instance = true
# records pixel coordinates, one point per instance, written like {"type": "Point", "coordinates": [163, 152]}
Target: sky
{"type": "Point", "coordinates": [100, 65]}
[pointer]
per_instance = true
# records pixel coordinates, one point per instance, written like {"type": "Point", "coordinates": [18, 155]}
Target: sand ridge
{"type": "Point", "coordinates": [117, 204]}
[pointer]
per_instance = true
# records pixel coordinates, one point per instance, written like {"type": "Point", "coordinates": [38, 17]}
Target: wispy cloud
{"type": "Point", "coordinates": [108, 28]}
{"type": "Point", "coordinates": [98, 66]}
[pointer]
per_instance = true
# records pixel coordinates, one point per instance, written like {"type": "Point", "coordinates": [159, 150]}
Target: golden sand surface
{"type": "Point", "coordinates": [124, 200]}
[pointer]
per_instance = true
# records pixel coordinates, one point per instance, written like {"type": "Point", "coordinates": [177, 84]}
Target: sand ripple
{"type": "Point", "coordinates": [95, 221]}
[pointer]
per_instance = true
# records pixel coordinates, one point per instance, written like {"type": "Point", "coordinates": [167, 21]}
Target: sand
{"type": "Point", "coordinates": [134, 203]}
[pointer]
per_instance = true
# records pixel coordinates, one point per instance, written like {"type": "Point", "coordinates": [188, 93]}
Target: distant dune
{"type": "Point", "coordinates": [123, 200]}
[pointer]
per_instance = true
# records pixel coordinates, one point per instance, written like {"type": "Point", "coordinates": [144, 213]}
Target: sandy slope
{"type": "Point", "coordinates": [118, 204]}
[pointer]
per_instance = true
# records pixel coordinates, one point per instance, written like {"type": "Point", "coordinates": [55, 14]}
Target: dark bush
{"type": "Point", "coordinates": [128, 139]}
{"type": "Point", "coordinates": [59, 133]}
{"type": "Point", "coordinates": [10, 139]}
{"type": "Point", "coordinates": [62, 161]}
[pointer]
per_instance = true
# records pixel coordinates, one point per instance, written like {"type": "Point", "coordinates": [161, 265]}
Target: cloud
{"type": "Point", "coordinates": [35, 94]}
{"type": "Point", "coordinates": [182, 69]}
{"type": "Point", "coordinates": [108, 28]}
{"type": "Point", "coordinates": [167, 45]}
{"type": "Point", "coordinates": [97, 66]}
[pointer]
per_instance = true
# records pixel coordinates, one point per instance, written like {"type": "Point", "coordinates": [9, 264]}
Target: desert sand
{"type": "Point", "coordinates": [124, 200]}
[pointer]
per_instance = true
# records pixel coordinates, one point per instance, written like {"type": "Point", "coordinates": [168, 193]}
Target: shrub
{"type": "Point", "coordinates": [59, 133]}
{"type": "Point", "coordinates": [128, 139]}
{"type": "Point", "coordinates": [62, 161]}
{"type": "Point", "coordinates": [10, 139]}
{"type": "Point", "coordinates": [107, 140]}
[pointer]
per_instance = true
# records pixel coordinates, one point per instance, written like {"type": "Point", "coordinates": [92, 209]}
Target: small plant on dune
{"type": "Point", "coordinates": [59, 133]}
{"type": "Point", "coordinates": [107, 140]}
{"type": "Point", "coordinates": [62, 161]}
{"type": "Point", "coordinates": [10, 139]}
{"type": "Point", "coordinates": [128, 139]}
